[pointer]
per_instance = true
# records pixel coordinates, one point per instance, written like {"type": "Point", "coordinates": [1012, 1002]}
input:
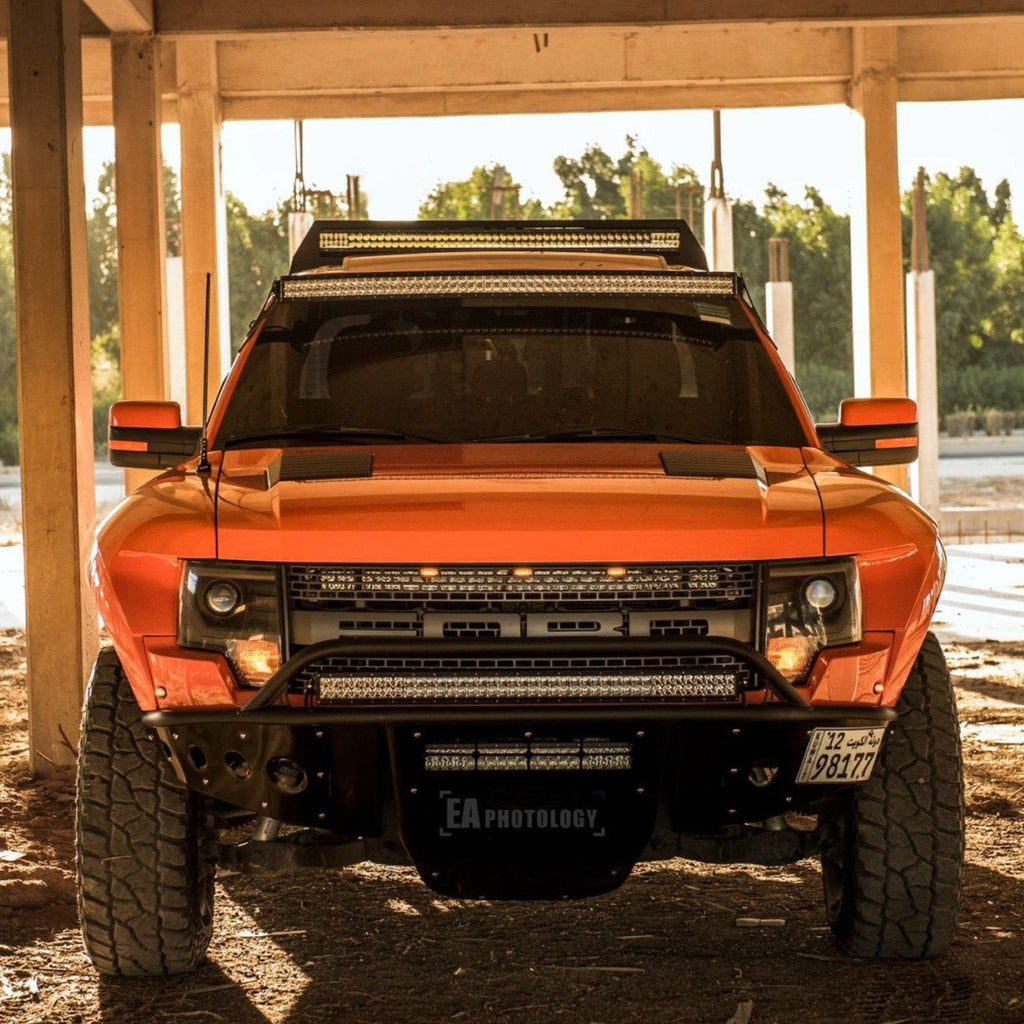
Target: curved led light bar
{"type": "Point", "coordinates": [371, 286]}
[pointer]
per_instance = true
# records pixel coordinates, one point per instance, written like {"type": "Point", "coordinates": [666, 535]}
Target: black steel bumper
{"type": "Point", "coordinates": [361, 771]}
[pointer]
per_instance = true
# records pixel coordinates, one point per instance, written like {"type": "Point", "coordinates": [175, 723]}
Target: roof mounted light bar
{"type": "Point", "coordinates": [329, 241]}
{"type": "Point", "coordinates": [549, 241]}
{"type": "Point", "coordinates": [374, 286]}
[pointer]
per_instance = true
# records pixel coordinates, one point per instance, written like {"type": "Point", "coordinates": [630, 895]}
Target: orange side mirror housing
{"type": "Point", "coordinates": [873, 432]}
{"type": "Point", "coordinates": [149, 435]}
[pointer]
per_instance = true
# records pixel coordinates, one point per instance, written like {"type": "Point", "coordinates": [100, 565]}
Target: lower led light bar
{"type": "Point", "coordinates": [391, 241]}
{"type": "Point", "coordinates": [370, 286]}
{"type": "Point", "coordinates": [544, 756]}
{"type": "Point", "coordinates": [667, 685]}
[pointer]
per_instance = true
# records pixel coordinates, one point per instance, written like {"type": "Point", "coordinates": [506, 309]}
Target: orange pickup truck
{"type": "Point", "coordinates": [511, 551]}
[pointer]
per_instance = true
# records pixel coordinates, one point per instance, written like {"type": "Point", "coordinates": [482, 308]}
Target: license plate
{"type": "Point", "coordinates": [840, 755]}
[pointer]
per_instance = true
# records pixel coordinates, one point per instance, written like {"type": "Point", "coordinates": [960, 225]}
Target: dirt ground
{"type": "Point", "coordinates": [373, 944]}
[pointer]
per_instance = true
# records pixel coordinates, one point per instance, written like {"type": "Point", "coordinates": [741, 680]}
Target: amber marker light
{"type": "Point", "coordinates": [429, 572]}
{"type": "Point", "coordinates": [618, 571]}
{"type": "Point", "coordinates": [791, 655]}
{"type": "Point", "coordinates": [256, 659]}
{"type": "Point", "coordinates": [522, 572]}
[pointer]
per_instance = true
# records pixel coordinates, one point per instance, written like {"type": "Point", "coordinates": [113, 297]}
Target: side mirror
{"type": "Point", "coordinates": [873, 432]}
{"type": "Point", "coordinates": [149, 435]}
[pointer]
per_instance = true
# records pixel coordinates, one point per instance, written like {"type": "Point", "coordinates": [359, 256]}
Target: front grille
{"type": "Point", "coordinates": [321, 586]}
{"type": "Point", "coordinates": [472, 609]}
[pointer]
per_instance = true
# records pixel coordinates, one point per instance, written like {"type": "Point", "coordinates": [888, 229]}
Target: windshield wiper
{"type": "Point", "coordinates": [600, 434]}
{"type": "Point", "coordinates": [346, 435]}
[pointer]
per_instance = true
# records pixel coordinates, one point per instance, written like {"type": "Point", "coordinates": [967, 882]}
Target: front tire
{"type": "Point", "coordinates": [892, 872]}
{"type": "Point", "coordinates": [145, 870]}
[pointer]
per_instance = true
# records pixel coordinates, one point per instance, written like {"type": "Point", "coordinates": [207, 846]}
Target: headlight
{"type": "Point", "coordinates": [810, 605]}
{"type": "Point", "coordinates": [235, 609]}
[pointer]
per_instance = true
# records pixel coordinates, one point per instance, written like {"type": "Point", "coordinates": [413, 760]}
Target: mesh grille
{"type": "Point", "coordinates": [338, 586]}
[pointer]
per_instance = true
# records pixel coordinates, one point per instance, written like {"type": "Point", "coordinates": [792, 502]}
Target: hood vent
{"type": "Point", "coordinates": [713, 464]}
{"type": "Point", "coordinates": [319, 466]}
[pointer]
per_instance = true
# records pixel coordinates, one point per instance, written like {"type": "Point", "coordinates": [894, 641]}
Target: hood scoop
{"type": "Point", "coordinates": [319, 466]}
{"type": "Point", "coordinates": [713, 464]}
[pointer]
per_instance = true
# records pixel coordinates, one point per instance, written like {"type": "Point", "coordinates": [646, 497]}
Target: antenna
{"type": "Point", "coordinates": [204, 458]}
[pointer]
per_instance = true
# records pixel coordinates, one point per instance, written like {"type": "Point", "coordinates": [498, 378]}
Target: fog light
{"type": "Point", "coordinates": [792, 655]}
{"type": "Point", "coordinates": [820, 594]}
{"type": "Point", "coordinates": [222, 597]}
{"type": "Point", "coordinates": [256, 659]}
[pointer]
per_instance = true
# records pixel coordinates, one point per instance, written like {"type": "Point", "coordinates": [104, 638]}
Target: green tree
{"type": "Point", "coordinates": [172, 211]}
{"type": "Point", "coordinates": [961, 237]}
{"type": "Point", "coordinates": [257, 254]}
{"type": "Point", "coordinates": [599, 188]}
{"type": "Point", "coordinates": [819, 267]}
{"type": "Point", "coordinates": [476, 198]}
{"type": "Point", "coordinates": [101, 239]}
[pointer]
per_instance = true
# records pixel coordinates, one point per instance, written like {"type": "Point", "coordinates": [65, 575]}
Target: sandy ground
{"type": "Point", "coordinates": [373, 944]}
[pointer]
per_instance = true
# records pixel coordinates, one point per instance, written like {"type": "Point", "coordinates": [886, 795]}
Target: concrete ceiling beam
{"type": "Point", "coordinates": [124, 15]}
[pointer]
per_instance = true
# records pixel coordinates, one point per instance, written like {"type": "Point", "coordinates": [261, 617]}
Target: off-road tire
{"type": "Point", "coordinates": [145, 870]}
{"type": "Point", "coordinates": [892, 871]}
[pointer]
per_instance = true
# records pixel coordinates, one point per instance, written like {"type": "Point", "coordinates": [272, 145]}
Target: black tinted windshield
{"type": "Point", "coordinates": [462, 371]}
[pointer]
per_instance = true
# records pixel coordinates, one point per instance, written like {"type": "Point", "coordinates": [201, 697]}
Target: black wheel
{"type": "Point", "coordinates": [892, 870]}
{"type": "Point", "coordinates": [145, 867]}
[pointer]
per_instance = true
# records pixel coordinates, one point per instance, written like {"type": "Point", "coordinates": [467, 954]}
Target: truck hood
{"type": "Point", "coordinates": [521, 503]}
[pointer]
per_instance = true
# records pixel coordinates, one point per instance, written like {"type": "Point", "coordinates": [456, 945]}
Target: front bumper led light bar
{"type": "Point", "coordinates": [370, 286]}
{"type": "Point", "coordinates": [710, 685]}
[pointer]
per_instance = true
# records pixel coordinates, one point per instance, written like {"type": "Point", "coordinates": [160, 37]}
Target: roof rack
{"type": "Point", "coordinates": [329, 241]}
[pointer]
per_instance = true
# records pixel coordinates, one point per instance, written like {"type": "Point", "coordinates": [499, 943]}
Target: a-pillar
{"type": "Point", "coordinates": [54, 387]}
{"type": "Point", "coordinates": [203, 223]}
{"type": "Point", "coordinates": [141, 286]}
{"type": "Point", "coordinates": [879, 349]}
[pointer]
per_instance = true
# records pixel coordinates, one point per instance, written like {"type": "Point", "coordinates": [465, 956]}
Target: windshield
{"type": "Point", "coordinates": [471, 370]}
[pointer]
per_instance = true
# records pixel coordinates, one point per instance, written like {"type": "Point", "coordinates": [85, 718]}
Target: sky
{"type": "Point", "coordinates": [400, 160]}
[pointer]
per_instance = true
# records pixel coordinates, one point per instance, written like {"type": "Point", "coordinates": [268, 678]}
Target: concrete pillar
{"type": "Point", "coordinates": [203, 220]}
{"type": "Point", "coordinates": [778, 301]}
{"type": "Point", "coordinates": [922, 358]}
{"type": "Point", "coordinates": [299, 224]}
{"type": "Point", "coordinates": [778, 294]}
{"type": "Point", "coordinates": [54, 385]}
{"type": "Point", "coordinates": [718, 233]}
{"type": "Point", "coordinates": [879, 349]}
{"type": "Point", "coordinates": [141, 289]}
{"type": "Point", "coordinates": [177, 389]}
{"type": "Point", "coordinates": [924, 387]}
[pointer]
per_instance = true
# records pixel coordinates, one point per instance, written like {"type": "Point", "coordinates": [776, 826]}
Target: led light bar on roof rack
{"type": "Point", "coordinates": [336, 242]}
{"type": "Point", "coordinates": [372, 286]}
{"type": "Point", "coordinates": [329, 242]}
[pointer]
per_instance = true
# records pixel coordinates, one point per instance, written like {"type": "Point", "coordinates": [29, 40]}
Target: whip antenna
{"type": "Point", "coordinates": [204, 459]}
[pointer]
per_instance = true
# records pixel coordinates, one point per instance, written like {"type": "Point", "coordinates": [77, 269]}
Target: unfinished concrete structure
{"type": "Point", "coordinates": [135, 63]}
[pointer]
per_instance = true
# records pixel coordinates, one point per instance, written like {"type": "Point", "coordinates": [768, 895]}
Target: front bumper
{"type": "Point", "coordinates": [362, 771]}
